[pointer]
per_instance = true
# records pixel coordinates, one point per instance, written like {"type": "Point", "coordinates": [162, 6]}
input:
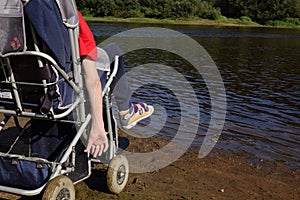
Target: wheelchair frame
{"type": "Point", "coordinates": [67, 163]}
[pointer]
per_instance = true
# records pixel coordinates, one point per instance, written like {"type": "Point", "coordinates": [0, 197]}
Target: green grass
{"type": "Point", "coordinates": [287, 22]}
{"type": "Point", "coordinates": [129, 20]}
{"type": "Point", "coordinates": [242, 21]}
{"type": "Point", "coordinates": [167, 21]}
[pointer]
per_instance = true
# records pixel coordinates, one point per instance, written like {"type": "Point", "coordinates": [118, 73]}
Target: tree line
{"type": "Point", "coordinates": [256, 10]}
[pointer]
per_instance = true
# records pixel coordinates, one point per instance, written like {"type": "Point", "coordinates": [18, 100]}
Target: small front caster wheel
{"type": "Point", "coordinates": [60, 188]}
{"type": "Point", "coordinates": [117, 174]}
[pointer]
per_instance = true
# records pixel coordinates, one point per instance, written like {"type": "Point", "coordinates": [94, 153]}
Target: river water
{"type": "Point", "coordinates": [260, 68]}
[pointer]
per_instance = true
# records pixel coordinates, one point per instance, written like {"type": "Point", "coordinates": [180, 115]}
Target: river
{"type": "Point", "coordinates": [260, 68]}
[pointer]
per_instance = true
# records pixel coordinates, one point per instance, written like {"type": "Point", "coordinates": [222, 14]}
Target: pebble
{"type": "Point", "coordinates": [221, 190]}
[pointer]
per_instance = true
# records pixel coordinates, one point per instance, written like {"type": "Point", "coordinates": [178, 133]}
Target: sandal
{"type": "Point", "coordinates": [136, 113]}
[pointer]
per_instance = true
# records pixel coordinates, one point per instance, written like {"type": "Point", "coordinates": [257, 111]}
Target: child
{"type": "Point", "coordinates": [129, 113]}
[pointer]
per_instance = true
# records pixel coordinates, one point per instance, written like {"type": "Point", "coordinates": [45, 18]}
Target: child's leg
{"type": "Point", "coordinates": [129, 114]}
{"type": "Point", "coordinates": [119, 86]}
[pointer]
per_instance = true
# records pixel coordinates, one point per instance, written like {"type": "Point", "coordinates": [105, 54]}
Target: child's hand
{"type": "Point", "coordinates": [97, 141]}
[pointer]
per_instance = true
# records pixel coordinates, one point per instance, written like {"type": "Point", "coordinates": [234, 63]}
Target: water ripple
{"type": "Point", "coordinates": [260, 69]}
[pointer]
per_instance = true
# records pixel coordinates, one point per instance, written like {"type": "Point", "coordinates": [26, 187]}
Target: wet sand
{"type": "Point", "coordinates": [220, 175]}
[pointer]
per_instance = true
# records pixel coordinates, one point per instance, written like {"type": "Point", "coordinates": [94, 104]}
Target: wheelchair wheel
{"type": "Point", "coordinates": [117, 174]}
{"type": "Point", "coordinates": [60, 188]}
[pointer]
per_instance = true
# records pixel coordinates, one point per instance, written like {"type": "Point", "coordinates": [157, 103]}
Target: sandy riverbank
{"type": "Point", "coordinates": [220, 175]}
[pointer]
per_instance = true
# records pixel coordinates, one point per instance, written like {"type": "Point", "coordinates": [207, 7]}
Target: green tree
{"type": "Point", "coordinates": [260, 11]}
{"type": "Point", "coordinates": [128, 8]}
{"type": "Point", "coordinates": [105, 8]}
{"type": "Point", "coordinates": [257, 10]}
{"type": "Point", "coordinates": [206, 10]}
{"type": "Point", "coordinates": [182, 9]}
{"type": "Point", "coordinates": [297, 8]}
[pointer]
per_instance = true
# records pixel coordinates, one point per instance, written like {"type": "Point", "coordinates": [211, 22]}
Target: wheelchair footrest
{"type": "Point", "coordinates": [81, 164]}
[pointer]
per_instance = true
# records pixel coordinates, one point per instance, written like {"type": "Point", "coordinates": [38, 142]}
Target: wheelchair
{"type": "Point", "coordinates": [41, 83]}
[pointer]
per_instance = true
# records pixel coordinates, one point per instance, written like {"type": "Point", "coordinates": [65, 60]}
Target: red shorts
{"type": "Point", "coordinates": [87, 44]}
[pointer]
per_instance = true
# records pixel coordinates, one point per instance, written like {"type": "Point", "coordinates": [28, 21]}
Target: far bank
{"type": "Point", "coordinates": [219, 22]}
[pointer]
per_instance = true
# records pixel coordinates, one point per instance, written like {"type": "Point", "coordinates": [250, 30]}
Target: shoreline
{"type": "Point", "coordinates": [220, 175]}
{"type": "Point", "coordinates": [200, 22]}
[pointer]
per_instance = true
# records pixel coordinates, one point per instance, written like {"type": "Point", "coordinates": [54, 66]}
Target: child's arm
{"type": "Point", "coordinates": [97, 141]}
